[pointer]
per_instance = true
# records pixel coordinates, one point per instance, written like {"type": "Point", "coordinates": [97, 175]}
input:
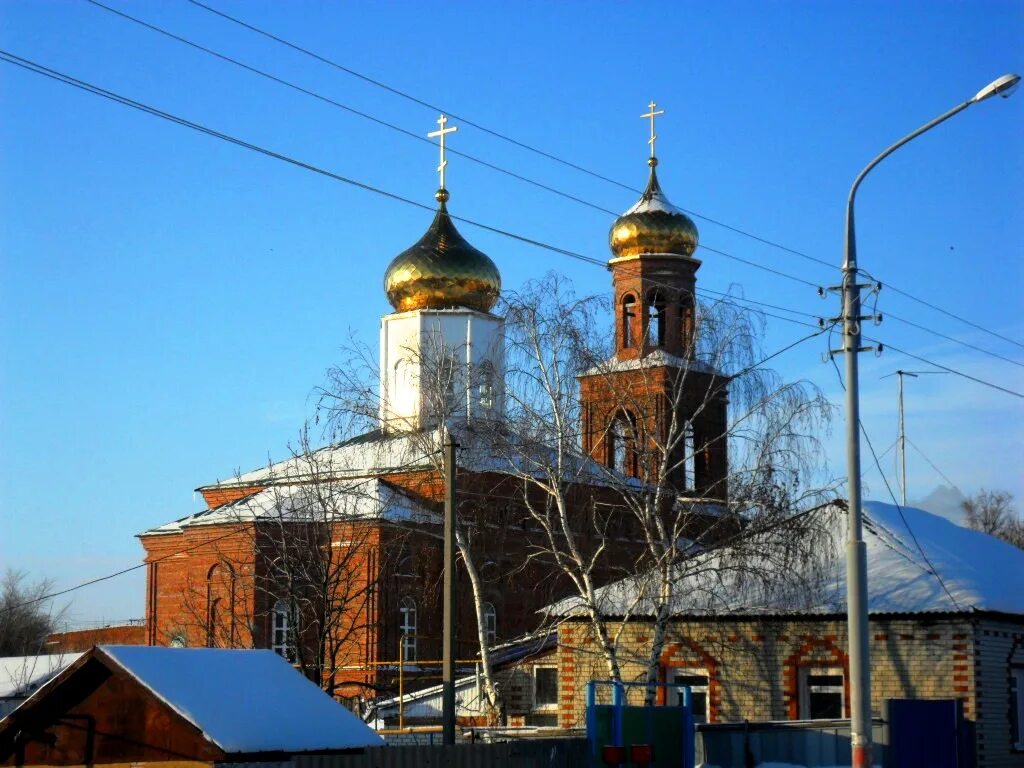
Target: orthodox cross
{"type": "Point", "coordinates": [440, 134]}
{"type": "Point", "coordinates": [652, 114]}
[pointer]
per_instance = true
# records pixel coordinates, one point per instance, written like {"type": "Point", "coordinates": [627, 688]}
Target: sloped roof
{"type": "Point", "coordinates": [21, 675]}
{"type": "Point", "coordinates": [243, 701]}
{"type": "Point", "coordinates": [965, 571]}
{"type": "Point", "coordinates": [367, 498]}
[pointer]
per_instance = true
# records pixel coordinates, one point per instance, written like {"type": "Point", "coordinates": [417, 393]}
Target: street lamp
{"type": "Point", "coordinates": [856, 553]}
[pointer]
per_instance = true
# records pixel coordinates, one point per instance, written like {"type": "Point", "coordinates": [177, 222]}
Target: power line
{"type": "Point", "coordinates": [569, 164]}
{"type": "Point", "coordinates": [955, 317]}
{"type": "Point", "coordinates": [947, 368]}
{"type": "Point", "coordinates": [194, 547]}
{"type": "Point", "coordinates": [953, 339]}
{"type": "Point", "coordinates": [419, 137]}
{"type": "Point", "coordinates": [492, 166]}
{"type": "Point", "coordinates": [878, 464]}
{"type": "Point", "coordinates": [931, 464]}
{"type": "Point", "coordinates": [125, 101]}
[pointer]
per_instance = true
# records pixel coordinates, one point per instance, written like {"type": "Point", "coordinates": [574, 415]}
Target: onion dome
{"type": "Point", "coordinates": [442, 270]}
{"type": "Point", "coordinates": [653, 225]}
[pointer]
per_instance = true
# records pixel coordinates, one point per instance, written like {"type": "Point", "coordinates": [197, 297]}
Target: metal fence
{"type": "Point", "coordinates": [538, 753]}
{"type": "Point", "coordinates": [800, 742]}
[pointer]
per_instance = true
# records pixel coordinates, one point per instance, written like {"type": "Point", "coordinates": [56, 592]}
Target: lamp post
{"type": "Point", "coordinates": [856, 554]}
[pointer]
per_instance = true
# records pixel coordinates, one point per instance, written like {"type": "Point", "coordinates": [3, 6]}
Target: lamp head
{"type": "Point", "coordinates": [1003, 86]}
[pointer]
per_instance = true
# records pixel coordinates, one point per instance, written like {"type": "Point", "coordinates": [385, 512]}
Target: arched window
{"type": "Point", "coordinates": [407, 626]}
{"type": "Point", "coordinates": [282, 639]}
{"type": "Point", "coordinates": [213, 620]}
{"type": "Point", "coordinates": [486, 385]}
{"type": "Point", "coordinates": [655, 319]}
{"type": "Point", "coordinates": [690, 458]}
{"type": "Point", "coordinates": [628, 320]}
{"type": "Point", "coordinates": [490, 616]}
{"type": "Point", "coordinates": [686, 324]}
{"type": "Point", "coordinates": [220, 602]}
{"type": "Point", "coordinates": [621, 444]}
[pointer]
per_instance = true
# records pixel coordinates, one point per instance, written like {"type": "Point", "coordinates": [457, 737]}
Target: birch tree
{"type": "Point", "coordinates": [651, 517]}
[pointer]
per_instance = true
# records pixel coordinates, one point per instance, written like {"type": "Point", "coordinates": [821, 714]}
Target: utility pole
{"type": "Point", "coordinates": [903, 440]}
{"type": "Point", "coordinates": [448, 649]}
{"type": "Point", "coordinates": [856, 550]}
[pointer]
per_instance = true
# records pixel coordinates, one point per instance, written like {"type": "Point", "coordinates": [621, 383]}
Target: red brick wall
{"type": "Point", "coordinates": [84, 639]}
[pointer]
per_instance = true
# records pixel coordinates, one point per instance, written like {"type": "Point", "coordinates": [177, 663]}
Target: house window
{"type": "Point", "coordinates": [545, 687]}
{"type": "Point", "coordinates": [1017, 707]}
{"type": "Point", "coordinates": [821, 693]}
{"type": "Point", "coordinates": [282, 639]}
{"type": "Point", "coordinates": [697, 680]}
{"type": "Point", "coordinates": [490, 624]}
{"type": "Point", "coordinates": [407, 626]}
{"type": "Point", "coordinates": [656, 320]}
{"type": "Point", "coordinates": [628, 320]}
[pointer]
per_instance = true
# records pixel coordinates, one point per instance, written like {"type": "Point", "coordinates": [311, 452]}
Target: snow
{"type": "Point", "coordinates": [368, 498]}
{"type": "Point", "coordinates": [20, 676]}
{"type": "Point", "coordinates": [244, 700]}
{"type": "Point", "coordinates": [655, 201]}
{"type": "Point", "coordinates": [973, 571]}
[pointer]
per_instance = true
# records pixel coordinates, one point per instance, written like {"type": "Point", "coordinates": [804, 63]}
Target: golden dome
{"type": "Point", "coordinates": [442, 271]}
{"type": "Point", "coordinates": [653, 225]}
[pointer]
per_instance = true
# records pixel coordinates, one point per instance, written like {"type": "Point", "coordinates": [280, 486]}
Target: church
{"type": "Point", "coordinates": [332, 557]}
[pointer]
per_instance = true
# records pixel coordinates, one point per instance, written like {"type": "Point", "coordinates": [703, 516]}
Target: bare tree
{"type": "Point", "coordinates": [443, 376]}
{"type": "Point", "coordinates": [27, 618]}
{"type": "Point", "coordinates": [992, 512]}
{"type": "Point", "coordinates": [656, 425]}
{"type": "Point", "coordinates": [301, 570]}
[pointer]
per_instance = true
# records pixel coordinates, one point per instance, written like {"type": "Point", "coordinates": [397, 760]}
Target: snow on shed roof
{"type": "Point", "coordinates": [21, 675]}
{"type": "Point", "coordinates": [973, 571]}
{"type": "Point", "coordinates": [243, 700]}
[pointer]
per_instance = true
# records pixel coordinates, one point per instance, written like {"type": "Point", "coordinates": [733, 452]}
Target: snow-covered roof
{"type": "Point", "coordinates": [369, 498]}
{"type": "Point", "coordinates": [380, 454]}
{"type": "Point", "coordinates": [244, 700]}
{"type": "Point", "coordinates": [373, 453]}
{"type": "Point", "coordinates": [657, 357]}
{"type": "Point", "coordinates": [973, 571]}
{"type": "Point", "coordinates": [20, 676]}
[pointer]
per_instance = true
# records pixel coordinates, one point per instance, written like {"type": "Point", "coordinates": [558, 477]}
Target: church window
{"type": "Point", "coordinates": [656, 319]}
{"type": "Point", "coordinates": [407, 626]}
{"type": "Point", "coordinates": [686, 323]}
{"type": "Point", "coordinates": [282, 639]}
{"type": "Point", "coordinates": [689, 457]}
{"type": "Point", "coordinates": [486, 385]}
{"type": "Point", "coordinates": [628, 320]}
{"type": "Point", "coordinates": [490, 616]}
{"type": "Point", "coordinates": [212, 620]}
{"type": "Point", "coordinates": [621, 448]}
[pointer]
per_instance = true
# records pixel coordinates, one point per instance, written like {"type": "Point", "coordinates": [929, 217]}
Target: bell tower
{"type": "Point", "coordinates": [655, 395]}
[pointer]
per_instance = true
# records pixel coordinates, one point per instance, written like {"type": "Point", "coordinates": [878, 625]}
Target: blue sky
{"type": "Point", "coordinates": [168, 302]}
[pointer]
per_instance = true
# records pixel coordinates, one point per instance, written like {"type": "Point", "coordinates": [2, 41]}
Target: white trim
{"type": "Point", "coordinates": [546, 707]}
{"type": "Point", "coordinates": [806, 688]}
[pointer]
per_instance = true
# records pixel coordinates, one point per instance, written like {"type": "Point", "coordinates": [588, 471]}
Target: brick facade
{"type": "Point", "coordinates": [754, 667]}
{"type": "Point", "coordinates": [83, 639]}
